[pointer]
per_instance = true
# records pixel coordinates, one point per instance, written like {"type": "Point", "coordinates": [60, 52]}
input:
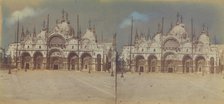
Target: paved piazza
{"type": "Point", "coordinates": [72, 87]}
{"type": "Point", "coordinates": [56, 87]}
{"type": "Point", "coordinates": [170, 88]}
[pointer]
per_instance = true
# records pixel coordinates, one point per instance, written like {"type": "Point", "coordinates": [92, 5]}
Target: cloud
{"type": "Point", "coordinates": [13, 5]}
{"type": "Point", "coordinates": [22, 14]}
{"type": "Point", "coordinates": [137, 17]}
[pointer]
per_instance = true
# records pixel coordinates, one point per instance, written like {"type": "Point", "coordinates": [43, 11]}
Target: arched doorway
{"type": "Point", "coordinates": [200, 63]}
{"type": "Point", "coordinates": [86, 62]}
{"type": "Point", "coordinates": [212, 65]}
{"type": "Point", "coordinates": [152, 63]}
{"type": "Point", "coordinates": [140, 63]}
{"type": "Point", "coordinates": [38, 60]}
{"type": "Point", "coordinates": [169, 62]}
{"type": "Point", "coordinates": [73, 61]}
{"type": "Point", "coordinates": [187, 64]}
{"type": "Point", "coordinates": [98, 60]}
{"type": "Point", "coordinates": [26, 60]}
{"type": "Point", "coordinates": [56, 59]}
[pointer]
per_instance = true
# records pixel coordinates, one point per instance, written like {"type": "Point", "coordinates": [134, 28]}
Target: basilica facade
{"type": "Point", "coordinates": [62, 48]}
{"type": "Point", "coordinates": [175, 51]}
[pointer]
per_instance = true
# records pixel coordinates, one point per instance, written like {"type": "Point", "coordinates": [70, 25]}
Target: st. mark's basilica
{"type": "Point", "coordinates": [62, 47]}
{"type": "Point", "coordinates": [175, 51]}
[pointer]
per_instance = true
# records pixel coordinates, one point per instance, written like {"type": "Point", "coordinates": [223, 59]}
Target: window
{"type": "Point", "coordinates": [154, 50]}
{"type": "Point", "coordinates": [28, 47]}
{"type": "Point", "coordinates": [39, 47]}
{"type": "Point", "coordinates": [72, 47]}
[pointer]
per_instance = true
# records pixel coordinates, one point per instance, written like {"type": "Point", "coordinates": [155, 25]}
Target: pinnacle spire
{"type": "Point", "coordinates": [179, 18]}
{"type": "Point", "coordinates": [63, 15]}
{"type": "Point", "coordinates": [34, 31]}
{"type": "Point", "coordinates": [159, 28]}
{"type": "Point", "coordinates": [66, 16]}
{"type": "Point", "coordinates": [171, 25]}
{"type": "Point", "coordinates": [44, 25]}
{"type": "Point", "coordinates": [22, 33]}
{"type": "Point", "coordinates": [48, 22]}
{"type": "Point", "coordinates": [90, 28]}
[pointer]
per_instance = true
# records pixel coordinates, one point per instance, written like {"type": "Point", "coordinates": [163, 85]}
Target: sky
{"type": "Point", "coordinates": [113, 16]}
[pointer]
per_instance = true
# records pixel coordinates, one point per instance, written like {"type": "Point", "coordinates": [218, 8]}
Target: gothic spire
{"type": "Point", "coordinates": [17, 32]}
{"type": "Point", "coordinates": [22, 33]}
{"type": "Point", "coordinates": [148, 35]}
{"type": "Point", "coordinates": [48, 22]}
{"type": "Point", "coordinates": [114, 39]}
{"type": "Point", "coordinates": [203, 28]}
{"type": "Point", "coordinates": [171, 25]}
{"type": "Point", "coordinates": [178, 18]}
{"type": "Point", "coordinates": [63, 15]}
{"type": "Point", "coordinates": [181, 19]}
{"type": "Point", "coordinates": [44, 25]}
{"type": "Point", "coordinates": [159, 28]}
{"type": "Point", "coordinates": [90, 28]}
{"type": "Point", "coordinates": [27, 32]}
{"type": "Point", "coordinates": [66, 16]}
{"type": "Point", "coordinates": [34, 31]}
{"type": "Point", "coordinates": [136, 34]}
{"type": "Point", "coordinates": [162, 25]}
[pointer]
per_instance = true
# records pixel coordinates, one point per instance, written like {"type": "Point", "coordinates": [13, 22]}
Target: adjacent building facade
{"type": "Point", "coordinates": [174, 51]}
{"type": "Point", "coordinates": [62, 48]}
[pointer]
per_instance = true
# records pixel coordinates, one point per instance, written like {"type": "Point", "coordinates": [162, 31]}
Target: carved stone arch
{"type": "Point", "coordinates": [187, 63]}
{"type": "Point", "coordinates": [171, 44]}
{"type": "Point", "coordinates": [38, 60]}
{"type": "Point", "coordinates": [26, 60]}
{"type": "Point", "coordinates": [140, 63]}
{"type": "Point", "coordinates": [73, 61]}
{"type": "Point", "coordinates": [56, 40]}
{"type": "Point", "coordinates": [56, 59]}
{"type": "Point", "coordinates": [200, 63]}
{"type": "Point", "coordinates": [152, 63]}
{"type": "Point", "coordinates": [169, 62]}
{"type": "Point", "coordinates": [98, 62]}
{"type": "Point", "coordinates": [86, 61]}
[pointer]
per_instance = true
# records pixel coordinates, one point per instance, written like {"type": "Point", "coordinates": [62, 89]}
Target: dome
{"type": "Point", "coordinates": [64, 28]}
{"type": "Point", "coordinates": [157, 37]}
{"type": "Point", "coordinates": [29, 42]}
{"type": "Point", "coordinates": [203, 38]}
{"type": "Point", "coordinates": [41, 35]}
{"type": "Point", "coordinates": [40, 41]}
{"type": "Point", "coordinates": [179, 31]}
{"type": "Point", "coordinates": [89, 35]}
{"type": "Point", "coordinates": [154, 45]}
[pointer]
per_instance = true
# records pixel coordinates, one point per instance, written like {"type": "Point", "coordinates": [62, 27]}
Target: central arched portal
{"type": "Point", "coordinates": [187, 64]}
{"type": "Point", "coordinates": [38, 60]}
{"type": "Point", "coordinates": [73, 61]}
{"type": "Point", "coordinates": [152, 63]}
{"type": "Point", "coordinates": [200, 63]}
{"type": "Point", "coordinates": [56, 59]}
{"type": "Point", "coordinates": [86, 62]}
{"type": "Point", "coordinates": [169, 62]}
{"type": "Point", "coordinates": [140, 63]}
{"type": "Point", "coordinates": [26, 60]}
